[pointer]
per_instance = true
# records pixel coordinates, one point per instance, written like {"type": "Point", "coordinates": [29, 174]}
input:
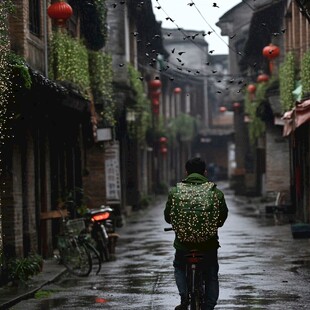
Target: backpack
{"type": "Point", "coordinates": [195, 212]}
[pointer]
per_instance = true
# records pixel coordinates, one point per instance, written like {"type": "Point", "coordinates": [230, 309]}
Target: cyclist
{"type": "Point", "coordinates": [196, 170]}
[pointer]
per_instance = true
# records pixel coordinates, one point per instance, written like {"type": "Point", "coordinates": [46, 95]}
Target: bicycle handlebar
{"type": "Point", "coordinates": [168, 228]}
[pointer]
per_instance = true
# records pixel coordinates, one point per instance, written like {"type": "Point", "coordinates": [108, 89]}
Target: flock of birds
{"type": "Point", "coordinates": [191, 37]}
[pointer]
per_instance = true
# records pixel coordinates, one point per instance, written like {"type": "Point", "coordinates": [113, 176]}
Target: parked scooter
{"type": "Point", "coordinates": [100, 223]}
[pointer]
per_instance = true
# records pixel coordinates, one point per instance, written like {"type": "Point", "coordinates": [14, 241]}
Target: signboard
{"type": "Point", "coordinates": [104, 134]}
{"type": "Point", "coordinates": [112, 173]}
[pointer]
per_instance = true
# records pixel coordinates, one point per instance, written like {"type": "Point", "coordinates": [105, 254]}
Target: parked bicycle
{"type": "Point", "coordinates": [100, 223]}
{"type": "Point", "coordinates": [195, 280]}
{"type": "Point", "coordinates": [76, 252]}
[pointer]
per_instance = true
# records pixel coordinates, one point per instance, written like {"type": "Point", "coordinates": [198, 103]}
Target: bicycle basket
{"type": "Point", "coordinates": [75, 226]}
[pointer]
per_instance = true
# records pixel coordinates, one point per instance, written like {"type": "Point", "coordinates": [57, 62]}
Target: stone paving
{"type": "Point", "coordinates": [261, 266]}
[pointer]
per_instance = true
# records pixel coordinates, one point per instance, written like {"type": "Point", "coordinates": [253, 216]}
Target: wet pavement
{"type": "Point", "coordinates": [261, 266]}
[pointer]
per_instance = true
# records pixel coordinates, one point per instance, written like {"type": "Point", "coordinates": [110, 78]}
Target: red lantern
{"type": "Point", "coordinates": [164, 150]}
{"type": "Point", "coordinates": [177, 90]}
{"type": "Point", "coordinates": [271, 51]}
{"type": "Point", "coordinates": [155, 100]}
{"type": "Point", "coordinates": [251, 88]}
{"type": "Point", "coordinates": [155, 84]}
{"type": "Point", "coordinates": [155, 94]}
{"type": "Point", "coordinates": [236, 105]}
{"type": "Point", "coordinates": [262, 78]}
{"type": "Point", "coordinates": [223, 109]}
{"type": "Point", "coordinates": [60, 12]}
{"type": "Point", "coordinates": [155, 104]}
{"type": "Point", "coordinates": [163, 140]}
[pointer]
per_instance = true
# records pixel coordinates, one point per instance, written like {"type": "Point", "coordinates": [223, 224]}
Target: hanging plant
{"type": "Point", "coordinates": [20, 70]}
{"type": "Point", "coordinates": [101, 80]}
{"type": "Point", "coordinates": [93, 22]}
{"type": "Point", "coordinates": [305, 73]}
{"type": "Point", "coordinates": [141, 108]}
{"type": "Point", "coordinates": [287, 81]}
{"type": "Point", "coordinates": [68, 61]}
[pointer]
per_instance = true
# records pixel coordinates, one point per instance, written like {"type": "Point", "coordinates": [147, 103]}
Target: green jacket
{"type": "Point", "coordinates": [212, 243]}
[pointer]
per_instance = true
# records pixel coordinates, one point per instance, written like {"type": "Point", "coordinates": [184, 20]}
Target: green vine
{"type": "Point", "coordinates": [93, 22]}
{"type": "Point", "coordinates": [182, 126]}
{"type": "Point", "coordinates": [69, 61]}
{"type": "Point", "coordinates": [102, 15]}
{"type": "Point", "coordinates": [305, 73]}
{"type": "Point", "coordinates": [287, 81]}
{"type": "Point", "coordinates": [20, 69]}
{"type": "Point", "coordinates": [142, 107]}
{"type": "Point", "coordinates": [101, 79]}
{"type": "Point", "coordinates": [6, 7]}
{"type": "Point", "coordinates": [252, 104]}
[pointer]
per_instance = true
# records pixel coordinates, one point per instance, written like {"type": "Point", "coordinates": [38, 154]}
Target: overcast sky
{"type": "Point", "coordinates": [202, 16]}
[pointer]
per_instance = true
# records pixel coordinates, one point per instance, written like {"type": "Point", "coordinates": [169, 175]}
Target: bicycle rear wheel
{"type": "Point", "coordinates": [102, 245]}
{"type": "Point", "coordinates": [95, 256]}
{"type": "Point", "coordinates": [195, 301]}
{"type": "Point", "coordinates": [195, 292]}
{"type": "Point", "coordinates": [75, 257]}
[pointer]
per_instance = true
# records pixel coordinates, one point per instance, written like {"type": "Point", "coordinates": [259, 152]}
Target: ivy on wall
{"type": "Point", "coordinates": [253, 105]}
{"type": "Point", "coordinates": [182, 126]}
{"type": "Point", "coordinates": [101, 79]}
{"type": "Point", "coordinates": [141, 108]}
{"type": "Point", "coordinates": [68, 61]}
{"type": "Point", "coordinates": [5, 90]}
{"type": "Point", "coordinates": [287, 81]}
{"type": "Point", "coordinates": [20, 70]}
{"type": "Point", "coordinates": [93, 22]}
{"type": "Point", "coordinates": [305, 73]}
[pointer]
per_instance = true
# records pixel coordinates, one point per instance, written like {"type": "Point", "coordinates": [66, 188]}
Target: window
{"type": "Point", "coordinates": [34, 17]}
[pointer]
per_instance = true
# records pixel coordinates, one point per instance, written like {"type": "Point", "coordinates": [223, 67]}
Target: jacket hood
{"type": "Point", "coordinates": [195, 178]}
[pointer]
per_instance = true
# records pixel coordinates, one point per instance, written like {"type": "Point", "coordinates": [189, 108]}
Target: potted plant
{"type": "Point", "coordinates": [21, 269]}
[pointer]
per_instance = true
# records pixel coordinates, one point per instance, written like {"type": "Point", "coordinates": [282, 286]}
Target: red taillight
{"type": "Point", "coordinates": [194, 260]}
{"type": "Point", "coordinates": [100, 216]}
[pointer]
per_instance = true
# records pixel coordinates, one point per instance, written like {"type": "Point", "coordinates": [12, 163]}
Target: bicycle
{"type": "Point", "coordinates": [76, 252]}
{"type": "Point", "coordinates": [195, 280]}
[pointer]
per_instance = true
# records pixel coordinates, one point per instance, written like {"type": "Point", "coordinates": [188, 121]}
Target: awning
{"type": "Point", "coordinates": [296, 117]}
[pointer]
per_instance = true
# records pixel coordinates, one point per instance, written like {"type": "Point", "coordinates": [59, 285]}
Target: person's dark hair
{"type": "Point", "coordinates": [195, 165]}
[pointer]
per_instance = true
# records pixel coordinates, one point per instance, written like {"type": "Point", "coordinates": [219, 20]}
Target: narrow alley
{"type": "Point", "coordinates": [261, 266]}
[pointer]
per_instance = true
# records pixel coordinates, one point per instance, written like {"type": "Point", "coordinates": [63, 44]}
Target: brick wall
{"type": "Point", "coordinates": [277, 161]}
{"type": "Point", "coordinates": [24, 43]}
{"type": "Point", "coordinates": [94, 182]}
{"type": "Point", "coordinates": [12, 212]}
{"type": "Point", "coordinates": [17, 22]}
{"type": "Point", "coordinates": [30, 232]}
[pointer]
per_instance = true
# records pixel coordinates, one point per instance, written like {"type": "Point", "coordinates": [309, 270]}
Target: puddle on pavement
{"type": "Point", "coordinates": [52, 303]}
{"type": "Point", "coordinates": [82, 301]}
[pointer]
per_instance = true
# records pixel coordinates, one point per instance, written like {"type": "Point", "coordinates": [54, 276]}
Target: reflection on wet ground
{"type": "Point", "coordinates": [261, 267]}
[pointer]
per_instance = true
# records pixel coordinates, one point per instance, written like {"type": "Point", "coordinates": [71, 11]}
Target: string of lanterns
{"type": "Point", "coordinates": [154, 87]}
